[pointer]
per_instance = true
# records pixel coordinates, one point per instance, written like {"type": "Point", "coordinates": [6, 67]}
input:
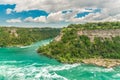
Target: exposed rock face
{"type": "Point", "coordinates": [95, 33]}
{"type": "Point", "coordinates": [99, 33]}
{"type": "Point", "coordinates": [14, 32]}
{"type": "Point", "coordinates": [58, 38]}
{"type": "Point", "coordinates": [108, 63]}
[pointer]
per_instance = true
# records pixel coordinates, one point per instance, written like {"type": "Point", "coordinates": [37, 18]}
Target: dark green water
{"type": "Point", "coordinates": [25, 64]}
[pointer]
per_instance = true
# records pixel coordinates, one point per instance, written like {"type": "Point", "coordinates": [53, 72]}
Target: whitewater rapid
{"type": "Point", "coordinates": [35, 71]}
{"type": "Point", "coordinates": [24, 63]}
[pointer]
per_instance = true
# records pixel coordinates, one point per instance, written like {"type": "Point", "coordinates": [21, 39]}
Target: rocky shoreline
{"type": "Point", "coordinates": [107, 63]}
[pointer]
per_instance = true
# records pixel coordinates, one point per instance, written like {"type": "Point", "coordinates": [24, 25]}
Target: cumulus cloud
{"type": "Point", "coordinates": [92, 17]}
{"type": "Point", "coordinates": [58, 5]}
{"type": "Point", "coordinates": [112, 18]}
{"type": "Point", "coordinates": [41, 19]}
{"type": "Point", "coordinates": [109, 9]}
{"type": "Point", "coordinates": [55, 17]}
{"type": "Point", "coordinates": [8, 11]}
{"type": "Point", "coordinates": [18, 20]}
{"type": "Point", "coordinates": [51, 18]}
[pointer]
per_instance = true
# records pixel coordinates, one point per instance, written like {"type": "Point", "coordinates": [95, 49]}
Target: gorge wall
{"type": "Point", "coordinates": [100, 33]}
{"type": "Point", "coordinates": [95, 33]}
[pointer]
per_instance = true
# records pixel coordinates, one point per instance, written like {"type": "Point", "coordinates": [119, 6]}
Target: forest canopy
{"type": "Point", "coordinates": [72, 47]}
{"type": "Point", "coordinates": [12, 36]}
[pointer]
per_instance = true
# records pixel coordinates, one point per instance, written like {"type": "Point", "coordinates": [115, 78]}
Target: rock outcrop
{"type": "Point", "coordinates": [99, 33]}
{"type": "Point", "coordinates": [14, 32]}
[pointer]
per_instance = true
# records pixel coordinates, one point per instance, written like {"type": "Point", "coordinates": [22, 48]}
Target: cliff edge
{"type": "Point", "coordinates": [89, 43]}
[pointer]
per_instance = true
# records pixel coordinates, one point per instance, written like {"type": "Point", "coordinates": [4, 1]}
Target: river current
{"type": "Point", "coordinates": [24, 63]}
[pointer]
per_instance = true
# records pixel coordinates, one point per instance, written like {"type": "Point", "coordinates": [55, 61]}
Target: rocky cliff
{"type": "Point", "coordinates": [99, 33]}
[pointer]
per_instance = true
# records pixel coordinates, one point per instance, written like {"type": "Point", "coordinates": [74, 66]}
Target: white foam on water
{"type": "Point", "coordinates": [5, 62]}
{"type": "Point", "coordinates": [116, 75]}
{"type": "Point", "coordinates": [30, 72]}
{"type": "Point", "coordinates": [95, 69]}
{"type": "Point", "coordinates": [62, 67]}
{"type": "Point", "coordinates": [25, 46]}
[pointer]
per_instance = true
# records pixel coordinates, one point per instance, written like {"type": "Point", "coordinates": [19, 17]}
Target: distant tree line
{"type": "Point", "coordinates": [12, 36]}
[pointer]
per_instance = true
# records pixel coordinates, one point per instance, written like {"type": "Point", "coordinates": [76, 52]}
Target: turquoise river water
{"type": "Point", "coordinates": [23, 63]}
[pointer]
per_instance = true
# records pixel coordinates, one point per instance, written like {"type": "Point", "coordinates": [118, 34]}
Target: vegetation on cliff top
{"type": "Point", "coordinates": [73, 48]}
{"type": "Point", "coordinates": [12, 36]}
{"type": "Point", "coordinates": [99, 25]}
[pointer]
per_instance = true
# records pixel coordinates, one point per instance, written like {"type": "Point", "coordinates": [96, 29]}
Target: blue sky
{"type": "Point", "coordinates": [45, 13]}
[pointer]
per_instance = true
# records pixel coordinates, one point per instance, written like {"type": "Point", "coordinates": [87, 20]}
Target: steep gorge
{"type": "Point", "coordinates": [78, 42]}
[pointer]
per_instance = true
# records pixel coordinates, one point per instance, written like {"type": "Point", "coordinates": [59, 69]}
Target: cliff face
{"type": "Point", "coordinates": [59, 37]}
{"type": "Point", "coordinates": [13, 32]}
{"type": "Point", "coordinates": [99, 33]}
{"type": "Point", "coordinates": [95, 33]}
{"type": "Point", "coordinates": [78, 42]}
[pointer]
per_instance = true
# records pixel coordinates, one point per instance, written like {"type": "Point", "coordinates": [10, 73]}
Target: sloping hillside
{"type": "Point", "coordinates": [85, 41]}
{"type": "Point", "coordinates": [12, 36]}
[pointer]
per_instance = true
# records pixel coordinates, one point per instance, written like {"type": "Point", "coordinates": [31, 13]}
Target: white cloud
{"type": "Point", "coordinates": [8, 11]}
{"type": "Point", "coordinates": [110, 9]}
{"type": "Point", "coordinates": [70, 17]}
{"type": "Point", "coordinates": [40, 19]}
{"type": "Point", "coordinates": [55, 17]}
{"type": "Point", "coordinates": [37, 19]}
{"type": "Point", "coordinates": [59, 16]}
{"type": "Point", "coordinates": [92, 17]}
{"type": "Point", "coordinates": [29, 19]}
{"type": "Point", "coordinates": [18, 20]}
{"type": "Point", "coordinates": [58, 5]}
{"type": "Point", "coordinates": [112, 18]}
{"type": "Point", "coordinates": [104, 15]}
{"type": "Point", "coordinates": [52, 17]}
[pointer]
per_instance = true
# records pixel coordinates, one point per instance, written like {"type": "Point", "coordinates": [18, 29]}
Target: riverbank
{"type": "Point", "coordinates": [13, 36]}
{"type": "Point", "coordinates": [26, 64]}
{"type": "Point", "coordinates": [107, 63]}
{"type": "Point", "coordinates": [85, 41]}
